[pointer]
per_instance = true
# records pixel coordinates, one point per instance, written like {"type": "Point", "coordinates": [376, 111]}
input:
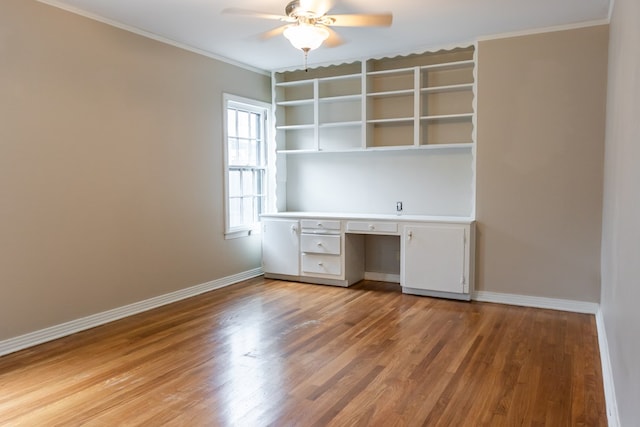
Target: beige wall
{"type": "Point", "coordinates": [541, 107]}
{"type": "Point", "coordinates": [621, 229]}
{"type": "Point", "coordinates": [111, 172]}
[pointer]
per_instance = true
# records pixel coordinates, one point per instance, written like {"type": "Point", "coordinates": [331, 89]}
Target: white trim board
{"type": "Point", "coordinates": [537, 302]}
{"type": "Point", "coordinates": [58, 331]}
{"type": "Point", "coordinates": [613, 416]}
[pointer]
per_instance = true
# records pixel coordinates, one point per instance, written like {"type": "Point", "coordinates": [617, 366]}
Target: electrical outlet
{"type": "Point", "coordinates": [398, 206]}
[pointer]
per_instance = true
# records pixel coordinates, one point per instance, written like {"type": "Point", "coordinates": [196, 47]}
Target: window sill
{"type": "Point", "coordinates": [236, 234]}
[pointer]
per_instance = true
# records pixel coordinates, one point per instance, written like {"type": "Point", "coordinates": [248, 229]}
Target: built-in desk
{"type": "Point", "coordinates": [436, 253]}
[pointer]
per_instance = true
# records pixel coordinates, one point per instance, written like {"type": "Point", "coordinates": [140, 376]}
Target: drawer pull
{"type": "Point", "coordinates": [320, 263]}
{"type": "Point", "coordinates": [319, 244]}
{"type": "Point", "coordinates": [372, 227]}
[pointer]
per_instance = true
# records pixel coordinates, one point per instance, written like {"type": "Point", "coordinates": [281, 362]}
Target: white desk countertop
{"type": "Point", "coordinates": [371, 217]}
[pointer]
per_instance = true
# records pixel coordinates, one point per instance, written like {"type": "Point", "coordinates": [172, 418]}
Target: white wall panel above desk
{"type": "Point", "coordinates": [427, 182]}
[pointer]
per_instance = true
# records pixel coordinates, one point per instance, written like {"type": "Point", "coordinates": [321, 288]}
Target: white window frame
{"type": "Point", "coordinates": [264, 109]}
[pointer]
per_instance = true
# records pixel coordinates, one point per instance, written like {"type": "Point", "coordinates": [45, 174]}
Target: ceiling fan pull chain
{"type": "Point", "coordinates": [306, 53]}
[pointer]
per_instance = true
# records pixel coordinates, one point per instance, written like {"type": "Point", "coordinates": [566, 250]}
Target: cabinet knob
{"type": "Point", "coordinates": [320, 224]}
{"type": "Point", "coordinates": [372, 227]}
{"type": "Point", "coordinates": [410, 235]}
{"type": "Point", "coordinates": [319, 243]}
{"type": "Point", "coordinates": [320, 263]}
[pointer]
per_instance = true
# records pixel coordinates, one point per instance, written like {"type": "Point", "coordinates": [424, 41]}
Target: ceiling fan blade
{"type": "Point", "coordinates": [334, 39]}
{"type": "Point", "coordinates": [381, 20]}
{"type": "Point", "coordinates": [272, 33]}
{"type": "Point", "coordinates": [253, 13]}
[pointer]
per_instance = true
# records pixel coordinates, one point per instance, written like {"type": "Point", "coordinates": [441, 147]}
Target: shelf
{"type": "Point", "coordinates": [294, 103]}
{"type": "Point", "coordinates": [391, 93]}
{"type": "Point", "coordinates": [320, 80]}
{"type": "Point", "coordinates": [342, 77]}
{"type": "Point", "coordinates": [448, 65]}
{"type": "Point", "coordinates": [448, 146]}
{"type": "Point", "coordinates": [340, 124]}
{"type": "Point", "coordinates": [394, 120]}
{"type": "Point", "coordinates": [294, 127]}
{"type": "Point", "coordinates": [296, 151]}
{"type": "Point", "coordinates": [448, 88]}
{"type": "Point", "coordinates": [394, 71]}
{"type": "Point", "coordinates": [340, 98]}
{"type": "Point", "coordinates": [433, 147]}
{"type": "Point", "coordinates": [448, 117]}
{"type": "Point", "coordinates": [294, 83]}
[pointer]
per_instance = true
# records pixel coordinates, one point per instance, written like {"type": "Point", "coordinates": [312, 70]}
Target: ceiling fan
{"type": "Point", "coordinates": [308, 24]}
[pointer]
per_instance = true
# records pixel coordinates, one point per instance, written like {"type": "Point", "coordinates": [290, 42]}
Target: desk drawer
{"type": "Point", "coordinates": [320, 244]}
{"type": "Point", "coordinates": [320, 224]}
{"type": "Point", "coordinates": [372, 227]}
{"type": "Point", "coordinates": [321, 264]}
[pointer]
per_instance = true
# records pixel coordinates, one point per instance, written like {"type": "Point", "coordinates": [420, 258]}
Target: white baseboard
{"type": "Point", "coordinates": [382, 277]}
{"type": "Point", "coordinates": [607, 374]}
{"type": "Point", "coordinates": [48, 334]}
{"type": "Point", "coordinates": [538, 302]}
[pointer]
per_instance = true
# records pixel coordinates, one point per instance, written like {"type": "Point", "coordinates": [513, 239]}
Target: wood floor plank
{"type": "Point", "coordinates": [274, 353]}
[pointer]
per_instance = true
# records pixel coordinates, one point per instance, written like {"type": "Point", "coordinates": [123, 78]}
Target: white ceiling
{"type": "Point", "coordinates": [417, 24]}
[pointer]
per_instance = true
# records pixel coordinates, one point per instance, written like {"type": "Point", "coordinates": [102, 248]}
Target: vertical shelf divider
{"type": "Point", "coordinates": [364, 103]}
{"type": "Point", "coordinates": [416, 106]}
{"type": "Point", "coordinates": [316, 114]}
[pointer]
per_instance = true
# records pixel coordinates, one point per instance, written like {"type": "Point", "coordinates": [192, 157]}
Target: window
{"type": "Point", "coordinates": [246, 164]}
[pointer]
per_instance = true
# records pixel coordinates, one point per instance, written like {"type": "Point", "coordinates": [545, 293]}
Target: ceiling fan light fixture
{"type": "Point", "coordinates": [306, 37]}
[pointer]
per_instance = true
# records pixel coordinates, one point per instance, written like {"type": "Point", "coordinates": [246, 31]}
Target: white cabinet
{"type": "Point", "coordinates": [436, 258]}
{"type": "Point", "coordinates": [436, 254]}
{"type": "Point", "coordinates": [328, 255]}
{"type": "Point", "coordinates": [280, 247]}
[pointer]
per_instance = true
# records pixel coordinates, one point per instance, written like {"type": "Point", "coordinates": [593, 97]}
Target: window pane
{"type": "Point", "coordinates": [235, 212]}
{"type": "Point", "coordinates": [231, 122]}
{"type": "Point", "coordinates": [247, 206]}
{"type": "Point", "coordinates": [243, 124]}
{"type": "Point", "coordinates": [235, 187]}
{"type": "Point", "coordinates": [248, 185]}
{"type": "Point", "coordinates": [233, 151]}
{"type": "Point", "coordinates": [251, 151]}
{"type": "Point", "coordinates": [243, 152]}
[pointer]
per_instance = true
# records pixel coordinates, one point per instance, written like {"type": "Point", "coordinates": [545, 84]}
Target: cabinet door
{"type": "Point", "coordinates": [434, 258]}
{"type": "Point", "coordinates": [280, 247]}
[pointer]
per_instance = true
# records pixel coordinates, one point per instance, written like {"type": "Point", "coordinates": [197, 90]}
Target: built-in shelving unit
{"type": "Point", "coordinates": [421, 101]}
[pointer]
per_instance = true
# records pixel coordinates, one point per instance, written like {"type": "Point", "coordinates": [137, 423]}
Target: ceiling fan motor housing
{"type": "Point", "coordinates": [294, 10]}
{"type": "Point", "coordinates": [297, 13]}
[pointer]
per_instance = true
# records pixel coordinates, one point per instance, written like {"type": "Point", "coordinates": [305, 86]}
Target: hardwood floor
{"type": "Point", "coordinates": [277, 353]}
